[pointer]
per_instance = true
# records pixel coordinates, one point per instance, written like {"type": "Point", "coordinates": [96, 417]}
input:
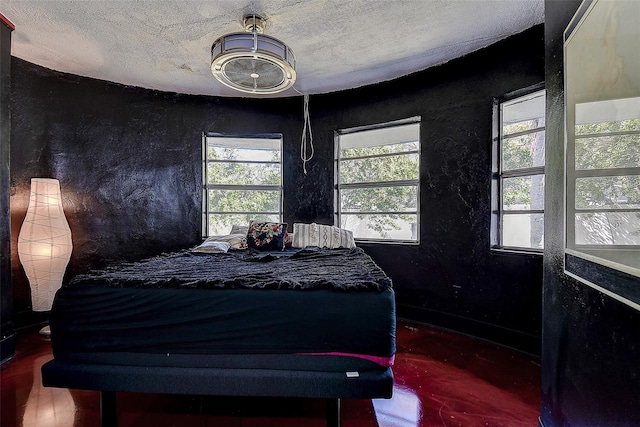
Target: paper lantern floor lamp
{"type": "Point", "coordinates": [44, 243]}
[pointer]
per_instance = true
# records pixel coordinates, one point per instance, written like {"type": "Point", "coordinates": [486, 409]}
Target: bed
{"type": "Point", "coordinates": [310, 323]}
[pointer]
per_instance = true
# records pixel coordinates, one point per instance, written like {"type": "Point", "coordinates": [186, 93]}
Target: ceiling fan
{"type": "Point", "coordinates": [252, 62]}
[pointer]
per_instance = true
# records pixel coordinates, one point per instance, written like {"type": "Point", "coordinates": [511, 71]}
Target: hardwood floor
{"type": "Point", "coordinates": [441, 379]}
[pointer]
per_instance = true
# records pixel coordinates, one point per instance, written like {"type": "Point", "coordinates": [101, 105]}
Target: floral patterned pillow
{"type": "Point", "coordinates": [266, 236]}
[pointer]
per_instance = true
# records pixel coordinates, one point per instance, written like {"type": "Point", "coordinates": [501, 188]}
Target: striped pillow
{"type": "Point", "coordinates": [322, 236]}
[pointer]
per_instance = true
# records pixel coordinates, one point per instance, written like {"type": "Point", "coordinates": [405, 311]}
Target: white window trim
{"type": "Point", "coordinates": [206, 212]}
{"type": "Point", "coordinates": [497, 217]}
{"type": "Point", "coordinates": [377, 184]}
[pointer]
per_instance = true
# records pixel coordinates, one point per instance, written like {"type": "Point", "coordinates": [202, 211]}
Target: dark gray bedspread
{"type": "Point", "coordinates": [305, 269]}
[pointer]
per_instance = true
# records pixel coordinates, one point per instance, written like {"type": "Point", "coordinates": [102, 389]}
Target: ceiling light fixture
{"type": "Point", "coordinates": [252, 62]}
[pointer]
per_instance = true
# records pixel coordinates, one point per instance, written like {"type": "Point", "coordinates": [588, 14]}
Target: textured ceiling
{"type": "Point", "coordinates": [338, 44]}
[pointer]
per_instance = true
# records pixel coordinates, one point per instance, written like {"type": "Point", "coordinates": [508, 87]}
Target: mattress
{"type": "Point", "coordinates": [163, 323]}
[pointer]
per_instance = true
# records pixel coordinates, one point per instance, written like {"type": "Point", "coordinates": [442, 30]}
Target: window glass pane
{"type": "Point", "coordinates": [608, 228]}
{"type": "Point", "coordinates": [372, 226]}
{"type": "Point", "coordinates": [244, 201]}
{"type": "Point", "coordinates": [376, 169]}
{"type": "Point", "coordinates": [242, 154]}
{"type": "Point", "coordinates": [222, 173]}
{"type": "Point", "coordinates": [627, 125]}
{"type": "Point", "coordinates": [523, 230]}
{"type": "Point", "coordinates": [523, 193]}
{"type": "Point", "coordinates": [608, 192]}
{"type": "Point", "coordinates": [526, 125]}
{"type": "Point", "coordinates": [390, 135]}
{"type": "Point", "coordinates": [383, 199]}
{"type": "Point", "coordinates": [220, 224]}
{"type": "Point", "coordinates": [524, 113]}
{"type": "Point", "coordinates": [606, 152]}
{"type": "Point", "coordinates": [248, 143]}
{"type": "Point", "coordinates": [523, 151]}
{"type": "Point", "coordinates": [375, 151]}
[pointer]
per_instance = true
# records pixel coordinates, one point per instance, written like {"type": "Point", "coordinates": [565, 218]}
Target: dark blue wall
{"type": "Point", "coordinates": [129, 161]}
{"type": "Point", "coordinates": [590, 341]}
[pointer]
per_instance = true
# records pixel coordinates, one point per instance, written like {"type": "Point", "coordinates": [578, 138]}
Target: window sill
{"type": "Point", "coordinates": [518, 251]}
{"type": "Point", "coordinates": [387, 242]}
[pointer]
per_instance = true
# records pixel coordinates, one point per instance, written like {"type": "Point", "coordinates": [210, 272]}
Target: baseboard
{"type": "Point", "coordinates": [7, 348]}
{"type": "Point", "coordinates": [517, 340]}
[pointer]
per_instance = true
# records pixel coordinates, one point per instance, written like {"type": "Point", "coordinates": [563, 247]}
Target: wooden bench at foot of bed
{"type": "Point", "coordinates": [109, 379]}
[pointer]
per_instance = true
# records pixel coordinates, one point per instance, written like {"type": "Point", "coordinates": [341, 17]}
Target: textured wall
{"type": "Point", "coordinates": [129, 164]}
{"type": "Point", "coordinates": [129, 160]}
{"type": "Point", "coordinates": [591, 343]}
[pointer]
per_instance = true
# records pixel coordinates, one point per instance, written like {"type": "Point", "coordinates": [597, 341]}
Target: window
{"type": "Point", "coordinates": [378, 181]}
{"type": "Point", "coordinates": [518, 179]}
{"type": "Point", "coordinates": [242, 178]}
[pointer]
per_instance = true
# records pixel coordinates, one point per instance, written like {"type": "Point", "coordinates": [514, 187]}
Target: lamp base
{"type": "Point", "coordinates": [45, 331]}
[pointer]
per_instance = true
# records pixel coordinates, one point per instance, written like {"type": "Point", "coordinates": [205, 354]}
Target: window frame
{"type": "Point", "coordinates": [206, 186]}
{"type": "Point", "coordinates": [338, 186]}
{"type": "Point", "coordinates": [499, 175]}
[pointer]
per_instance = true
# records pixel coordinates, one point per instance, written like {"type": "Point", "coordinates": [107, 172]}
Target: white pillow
{"type": "Point", "coordinates": [212, 247]}
{"type": "Point", "coordinates": [236, 241]}
{"type": "Point", "coordinates": [239, 229]}
{"type": "Point", "coordinates": [323, 236]}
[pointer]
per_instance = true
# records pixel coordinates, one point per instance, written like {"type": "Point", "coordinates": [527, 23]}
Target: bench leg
{"type": "Point", "coordinates": [108, 414]}
{"type": "Point", "coordinates": [333, 412]}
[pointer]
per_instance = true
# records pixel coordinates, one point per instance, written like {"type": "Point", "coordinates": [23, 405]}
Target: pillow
{"type": "Point", "coordinates": [266, 236]}
{"type": "Point", "coordinates": [239, 229]}
{"type": "Point", "coordinates": [212, 247]}
{"type": "Point", "coordinates": [323, 236]}
{"type": "Point", "coordinates": [236, 241]}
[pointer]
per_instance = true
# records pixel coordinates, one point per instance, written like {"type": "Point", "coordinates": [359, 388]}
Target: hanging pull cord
{"type": "Point", "coordinates": [303, 145]}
